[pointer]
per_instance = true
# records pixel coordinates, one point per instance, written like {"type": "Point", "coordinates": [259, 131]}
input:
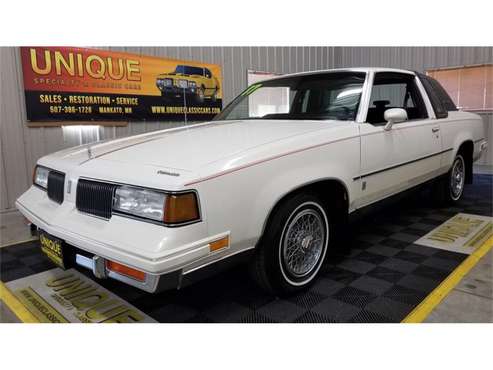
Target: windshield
{"type": "Point", "coordinates": [325, 96]}
{"type": "Point", "coordinates": [189, 70]}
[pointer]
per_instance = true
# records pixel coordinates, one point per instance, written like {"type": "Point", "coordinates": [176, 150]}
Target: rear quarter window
{"type": "Point", "coordinates": [440, 100]}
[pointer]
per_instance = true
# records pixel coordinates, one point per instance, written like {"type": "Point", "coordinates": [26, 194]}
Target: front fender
{"type": "Point", "coordinates": [241, 201]}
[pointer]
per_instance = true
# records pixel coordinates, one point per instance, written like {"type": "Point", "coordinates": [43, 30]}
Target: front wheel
{"type": "Point", "coordinates": [200, 97]}
{"type": "Point", "coordinates": [166, 97]}
{"type": "Point", "coordinates": [293, 247]}
{"type": "Point", "coordinates": [449, 190]}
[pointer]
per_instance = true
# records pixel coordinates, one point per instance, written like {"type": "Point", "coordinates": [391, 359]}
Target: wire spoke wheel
{"type": "Point", "coordinates": [293, 247]}
{"type": "Point", "coordinates": [457, 178]}
{"type": "Point", "coordinates": [303, 243]}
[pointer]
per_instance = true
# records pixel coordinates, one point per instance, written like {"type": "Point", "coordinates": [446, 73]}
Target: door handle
{"type": "Point", "coordinates": [435, 129]}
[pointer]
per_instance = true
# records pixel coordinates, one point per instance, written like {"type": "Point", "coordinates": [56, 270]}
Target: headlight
{"type": "Point", "coordinates": [192, 84]}
{"type": "Point", "coordinates": [164, 82]}
{"type": "Point", "coordinates": [139, 202]}
{"type": "Point", "coordinates": [155, 205]}
{"type": "Point", "coordinates": [40, 176]}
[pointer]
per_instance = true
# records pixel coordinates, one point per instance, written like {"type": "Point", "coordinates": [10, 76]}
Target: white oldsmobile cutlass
{"type": "Point", "coordinates": [275, 174]}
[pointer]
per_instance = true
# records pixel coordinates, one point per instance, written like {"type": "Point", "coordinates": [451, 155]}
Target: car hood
{"type": "Point", "coordinates": [192, 148]}
{"type": "Point", "coordinates": [173, 74]}
{"type": "Point", "coordinates": [187, 148]}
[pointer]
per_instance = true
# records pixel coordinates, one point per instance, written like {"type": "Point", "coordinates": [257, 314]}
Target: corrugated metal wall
{"type": "Point", "coordinates": [487, 158]}
{"type": "Point", "coordinates": [413, 58]}
{"type": "Point", "coordinates": [20, 147]}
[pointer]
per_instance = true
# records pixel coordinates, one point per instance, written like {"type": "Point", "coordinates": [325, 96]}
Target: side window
{"type": "Point", "coordinates": [446, 100]}
{"type": "Point", "coordinates": [438, 108]}
{"type": "Point", "coordinates": [395, 90]}
{"type": "Point", "coordinates": [194, 71]}
{"type": "Point", "coordinates": [208, 73]}
{"type": "Point", "coordinates": [440, 100]}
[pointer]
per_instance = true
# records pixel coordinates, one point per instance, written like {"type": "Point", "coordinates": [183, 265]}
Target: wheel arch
{"type": "Point", "coordinates": [466, 149]}
{"type": "Point", "coordinates": [328, 189]}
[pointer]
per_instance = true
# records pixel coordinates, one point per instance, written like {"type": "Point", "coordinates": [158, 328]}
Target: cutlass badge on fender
{"type": "Point", "coordinates": [161, 172]}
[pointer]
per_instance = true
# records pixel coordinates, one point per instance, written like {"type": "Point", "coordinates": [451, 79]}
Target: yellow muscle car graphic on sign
{"type": "Point", "coordinates": [197, 82]}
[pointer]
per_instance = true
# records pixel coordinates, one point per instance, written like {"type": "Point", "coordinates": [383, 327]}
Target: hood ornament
{"type": "Point", "coordinates": [89, 152]}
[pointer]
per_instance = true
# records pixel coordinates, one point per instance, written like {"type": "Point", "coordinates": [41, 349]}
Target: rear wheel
{"type": "Point", "coordinates": [293, 246]}
{"type": "Point", "coordinates": [449, 190]}
{"type": "Point", "coordinates": [214, 96]}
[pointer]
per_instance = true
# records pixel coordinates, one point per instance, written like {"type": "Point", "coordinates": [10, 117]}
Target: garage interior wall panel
{"type": "Point", "coordinates": [414, 58]}
{"type": "Point", "coordinates": [487, 158]}
{"type": "Point", "coordinates": [3, 186]}
{"type": "Point", "coordinates": [22, 146]}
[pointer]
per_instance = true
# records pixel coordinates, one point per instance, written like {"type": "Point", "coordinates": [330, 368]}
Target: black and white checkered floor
{"type": "Point", "coordinates": [380, 275]}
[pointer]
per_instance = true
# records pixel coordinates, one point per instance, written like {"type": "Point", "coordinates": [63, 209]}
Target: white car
{"type": "Point", "coordinates": [271, 179]}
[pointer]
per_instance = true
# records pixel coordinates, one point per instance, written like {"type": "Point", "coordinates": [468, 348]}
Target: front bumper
{"type": "Point", "coordinates": [158, 251]}
{"type": "Point", "coordinates": [177, 91]}
{"type": "Point", "coordinates": [152, 283]}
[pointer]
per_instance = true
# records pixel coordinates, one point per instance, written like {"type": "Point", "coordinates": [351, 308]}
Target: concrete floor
{"type": "Point", "coordinates": [483, 169]}
{"type": "Point", "coordinates": [13, 229]}
{"type": "Point", "coordinates": [7, 316]}
{"type": "Point", "coordinates": [471, 300]}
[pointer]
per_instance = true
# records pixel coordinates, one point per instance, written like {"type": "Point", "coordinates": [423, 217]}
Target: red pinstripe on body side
{"type": "Point", "coordinates": [222, 173]}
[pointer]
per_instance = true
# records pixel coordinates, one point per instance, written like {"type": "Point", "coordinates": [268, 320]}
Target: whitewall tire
{"type": "Point", "coordinates": [293, 247]}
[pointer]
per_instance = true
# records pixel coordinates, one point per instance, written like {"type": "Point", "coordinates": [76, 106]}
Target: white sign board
{"type": "Point", "coordinates": [463, 233]}
{"type": "Point", "coordinates": [59, 296]}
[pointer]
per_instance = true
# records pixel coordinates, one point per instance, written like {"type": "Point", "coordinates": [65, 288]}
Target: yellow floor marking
{"type": "Point", "coordinates": [15, 305]}
{"type": "Point", "coordinates": [45, 313]}
{"type": "Point", "coordinates": [19, 242]}
{"type": "Point", "coordinates": [421, 312]}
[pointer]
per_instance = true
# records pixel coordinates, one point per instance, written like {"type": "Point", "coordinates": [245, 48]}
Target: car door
{"type": "Point", "coordinates": [409, 152]}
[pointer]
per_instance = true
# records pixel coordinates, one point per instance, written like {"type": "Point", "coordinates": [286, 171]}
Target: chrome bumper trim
{"type": "Point", "coordinates": [84, 261]}
{"type": "Point", "coordinates": [97, 266]}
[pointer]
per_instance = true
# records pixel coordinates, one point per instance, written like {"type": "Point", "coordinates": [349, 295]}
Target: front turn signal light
{"type": "Point", "coordinates": [125, 270]}
{"type": "Point", "coordinates": [180, 208]}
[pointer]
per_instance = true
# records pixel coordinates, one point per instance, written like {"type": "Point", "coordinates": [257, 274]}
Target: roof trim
{"type": "Point", "coordinates": [356, 69]}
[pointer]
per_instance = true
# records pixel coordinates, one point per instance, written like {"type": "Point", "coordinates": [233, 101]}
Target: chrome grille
{"type": "Point", "coordinates": [95, 198]}
{"type": "Point", "coordinates": [56, 182]}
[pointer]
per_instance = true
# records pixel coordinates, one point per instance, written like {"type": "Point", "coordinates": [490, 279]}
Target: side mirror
{"type": "Point", "coordinates": [394, 115]}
